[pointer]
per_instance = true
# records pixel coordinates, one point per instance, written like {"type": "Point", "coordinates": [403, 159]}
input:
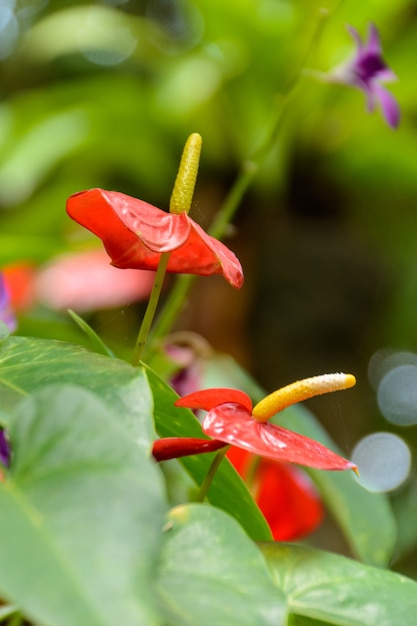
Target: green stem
{"type": "Point", "coordinates": [233, 199]}
{"type": "Point", "coordinates": [150, 309]}
{"type": "Point", "coordinates": [208, 479]}
{"type": "Point", "coordinates": [249, 169]}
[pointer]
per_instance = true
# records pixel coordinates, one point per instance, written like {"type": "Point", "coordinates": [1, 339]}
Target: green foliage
{"type": "Point", "coordinates": [201, 576]}
{"type": "Point", "coordinates": [83, 507]}
{"type": "Point", "coordinates": [28, 364]}
{"type": "Point", "coordinates": [338, 591]}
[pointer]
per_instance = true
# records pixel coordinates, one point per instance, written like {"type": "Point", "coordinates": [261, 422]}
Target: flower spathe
{"type": "Point", "coordinates": [136, 234]}
{"type": "Point", "coordinates": [231, 419]}
{"type": "Point", "coordinates": [177, 447]}
{"type": "Point", "coordinates": [368, 71]}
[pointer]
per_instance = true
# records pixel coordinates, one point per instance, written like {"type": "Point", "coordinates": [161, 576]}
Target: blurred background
{"type": "Point", "coordinates": [104, 94]}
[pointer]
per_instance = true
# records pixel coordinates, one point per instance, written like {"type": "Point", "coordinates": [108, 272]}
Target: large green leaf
{"type": "Point", "coordinates": [28, 364]}
{"type": "Point", "coordinates": [340, 591]}
{"type": "Point", "coordinates": [228, 492]}
{"type": "Point", "coordinates": [211, 573]}
{"type": "Point", "coordinates": [81, 514]}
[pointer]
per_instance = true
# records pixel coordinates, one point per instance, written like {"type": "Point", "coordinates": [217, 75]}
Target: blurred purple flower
{"type": "Point", "coordinates": [367, 71]}
{"type": "Point", "coordinates": [4, 450]}
{"type": "Point", "coordinates": [6, 314]}
{"type": "Point", "coordinates": [189, 351]}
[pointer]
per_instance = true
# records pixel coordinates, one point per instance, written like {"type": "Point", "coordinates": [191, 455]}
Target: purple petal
{"type": "Point", "coordinates": [373, 45]}
{"type": "Point", "coordinates": [6, 314]}
{"type": "Point", "coordinates": [4, 450]}
{"type": "Point", "coordinates": [389, 105]}
{"type": "Point", "coordinates": [4, 298]}
{"type": "Point", "coordinates": [370, 98]}
{"type": "Point", "coordinates": [386, 75]}
{"type": "Point", "coordinates": [355, 36]}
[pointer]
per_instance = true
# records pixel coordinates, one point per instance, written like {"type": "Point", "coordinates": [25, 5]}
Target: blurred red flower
{"type": "Point", "coordinates": [84, 281]}
{"type": "Point", "coordinates": [283, 492]}
{"type": "Point", "coordinates": [19, 278]}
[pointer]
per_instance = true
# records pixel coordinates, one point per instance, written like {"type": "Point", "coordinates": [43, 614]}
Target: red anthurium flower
{"type": "Point", "coordinates": [135, 234]}
{"type": "Point", "coordinates": [232, 419]}
{"type": "Point", "coordinates": [283, 492]}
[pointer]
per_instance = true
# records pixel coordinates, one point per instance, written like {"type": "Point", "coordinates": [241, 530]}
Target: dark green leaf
{"type": "Point", "coordinates": [300, 620]}
{"type": "Point", "coordinates": [81, 514]}
{"type": "Point", "coordinates": [211, 573]}
{"type": "Point", "coordinates": [405, 509]}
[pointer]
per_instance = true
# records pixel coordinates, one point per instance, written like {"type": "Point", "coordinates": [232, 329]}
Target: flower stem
{"type": "Point", "coordinates": [248, 171]}
{"type": "Point", "coordinates": [178, 293]}
{"type": "Point", "coordinates": [150, 309]}
{"type": "Point", "coordinates": [208, 479]}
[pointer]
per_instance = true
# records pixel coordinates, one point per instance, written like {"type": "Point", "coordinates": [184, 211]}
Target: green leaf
{"type": "Point", "coordinates": [365, 518]}
{"type": "Point", "coordinates": [14, 248]}
{"type": "Point", "coordinates": [7, 611]}
{"type": "Point", "coordinates": [211, 573]}
{"type": "Point", "coordinates": [81, 514]}
{"type": "Point", "coordinates": [299, 620]}
{"type": "Point", "coordinates": [4, 330]}
{"type": "Point", "coordinates": [227, 491]}
{"type": "Point", "coordinates": [405, 509]}
{"type": "Point", "coordinates": [96, 341]}
{"type": "Point", "coordinates": [28, 364]}
{"type": "Point", "coordinates": [337, 590]}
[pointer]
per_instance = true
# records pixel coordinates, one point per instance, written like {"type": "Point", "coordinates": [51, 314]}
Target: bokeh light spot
{"type": "Point", "coordinates": [105, 39]}
{"type": "Point", "coordinates": [384, 360]}
{"type": "Point", "coordinates": [397, 395]}
{"type": "Point", "coordinates": [9, 30]}
{"type": "Point", "coordinates": [383, 460]}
